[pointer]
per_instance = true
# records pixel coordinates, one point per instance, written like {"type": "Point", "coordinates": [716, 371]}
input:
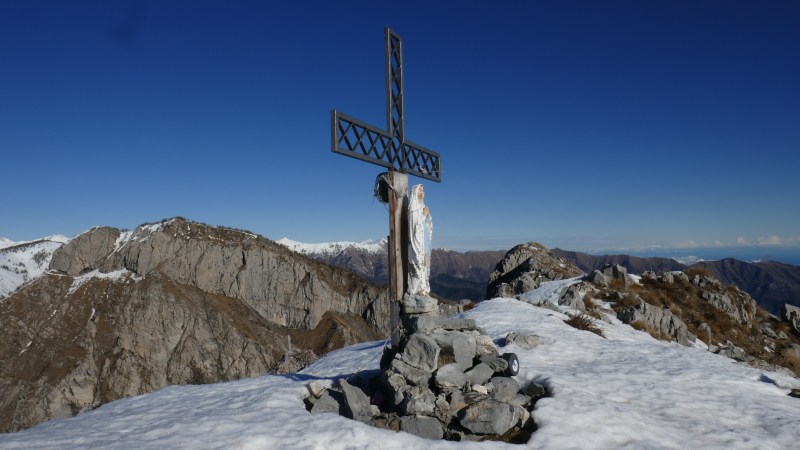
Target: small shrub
{"type": "Point", "coordinates": [627, 300]}
{"type": "Point", "coordinates": [692, 271]}
{"type": "Point", "coordinates": [584, 322]}
{"type": "Point", "coordinates": [588, 302]}
{"type": "Point", "coordinates": [617, 285]}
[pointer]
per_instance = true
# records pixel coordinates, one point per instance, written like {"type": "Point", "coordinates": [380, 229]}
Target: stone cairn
{"type": "Point", "coordinates": [445, 380]}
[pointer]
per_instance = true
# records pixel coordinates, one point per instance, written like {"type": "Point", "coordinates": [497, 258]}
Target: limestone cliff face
{"type": "Point", "coordinates": [282, 286]}
{"type": "Point", "coordinates": [125, 313]}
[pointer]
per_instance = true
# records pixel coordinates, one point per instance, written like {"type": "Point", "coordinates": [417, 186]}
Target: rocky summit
{"type": "Point", "coordinates": [122, 313]}
{"type": "Point", "coordinates": [524, 267]}
{"type": "Point", "coordinates": [445, 380]}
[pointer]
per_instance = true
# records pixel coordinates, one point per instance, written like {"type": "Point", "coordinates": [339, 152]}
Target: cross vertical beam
{"type": "Point", "coordinates": [395, 119]}
{"type": "Point", "coordinates": [356, 139]}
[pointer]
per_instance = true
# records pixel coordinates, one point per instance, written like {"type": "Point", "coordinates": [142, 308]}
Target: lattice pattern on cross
{"type": "Point", "coordinates": [357, 139]}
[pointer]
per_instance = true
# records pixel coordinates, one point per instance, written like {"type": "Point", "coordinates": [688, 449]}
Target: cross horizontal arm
{"type": "Point", "coordinates": [356, 139]}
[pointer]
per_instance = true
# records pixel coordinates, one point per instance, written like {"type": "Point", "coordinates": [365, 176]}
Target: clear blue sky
{"type": "Point", "coordinates": [586, 125]}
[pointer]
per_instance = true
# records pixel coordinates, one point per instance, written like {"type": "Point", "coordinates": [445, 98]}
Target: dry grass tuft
{"type": "Point", "coordinates": [584, 322]}
{"type": "Point", "coordinates": [641, 326]}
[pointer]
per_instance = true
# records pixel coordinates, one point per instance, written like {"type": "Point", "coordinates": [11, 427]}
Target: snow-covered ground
{"type": "Point", "coordinates": [627, 390]}
{"type": "Point", "coordinates": [323, 248]}
{"type": "Point", "coordinates": [22, 262]}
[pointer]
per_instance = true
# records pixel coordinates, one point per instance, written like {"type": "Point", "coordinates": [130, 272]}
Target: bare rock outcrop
{"type": "Point", "coordinates": [282, 286]}
{"type": "Point", "coordinates": [525, 267]}
{"type": "Point", "coordinates": [86, 252]}
{"type": "Point", "coordinates": [659, 319]}
{"type": "Point", "coordinates": [791, 314]}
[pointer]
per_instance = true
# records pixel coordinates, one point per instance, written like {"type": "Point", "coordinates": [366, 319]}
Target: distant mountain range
{"type": "Point", "coordinates": [456, 275]}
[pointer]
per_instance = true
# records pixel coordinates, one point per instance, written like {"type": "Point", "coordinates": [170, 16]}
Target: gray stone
{"type": "Point", "coordinates": [315, 388]}
{"type": "Point", "coordinates": [418, 400]}
{"type": "Point", "coordinates": [523, 414]}
{"type": "Point", "coordinates": [535, 390]}
{"type": "Point", "coordinates": [480, 374]}
{"type": "Point", "coordinates": [422, 426]}
{"type": "Point", "coordinates": [596, 277]}
{"type": "Point", "coordinates": [572, 296]}
{"type": "Point", "coordinates": [412, 375]}
{"type": "Point", "coordinates": [497, 363]}
{"type": "Point", "coordinates": [649, 275]}
{"type": "Point", "coordinates": [450, 375]}
{"type": "Point", "coordinates": [782, 335]}
{"type": "Point", "coordinates": [730, 350]}
{"type": "Point", "coordinates": [505, 389]}
{"type": "Point", "coordinates": [356, 402]}
{"type": "Point", "coordinates": [474, 397]}
{"type": "Point", "coordinates": [442, 410]}
{"type": "Point", "coordinates": [419, 304]}
{"type": "Point", "coordinates": [488, 417]}
{"type": "Point", "coordinates": [458, 346]}
{"type": "Point", "coordinates": [456, 400]}
{"type": "Point", "coordinates": [525, 341]}
{"type": "Point", "coordinates": [660, 319]}
{"type": "Point", "coordinates": [742, 308]}
{"type": "Point", "coordinates": [485, 345]}
{"type": "Point", "coordinates": [421, 352]}
{"type": "Point", "coordinates": [327, 404]}
{"type": "Point", "coordinates": [667, 277]}
{"type": "Point", "coordinates": [767, 331]}
{"type": "Point", "coordinates": [521, 400]}
{"type": "Point", "coordinates": [427, 322]}
{"type": "Point", "coordinates": [791, 314]}
{"type": "Point", "coordinates": [616, 272]}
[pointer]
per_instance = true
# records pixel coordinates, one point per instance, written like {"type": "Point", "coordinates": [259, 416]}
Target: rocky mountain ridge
{"type": "Point", "coordinates": [123, 313]}
{"type": "Point", "coordinates": [690, 307]}
{"type": "Point", "coordinates": [771, 283]}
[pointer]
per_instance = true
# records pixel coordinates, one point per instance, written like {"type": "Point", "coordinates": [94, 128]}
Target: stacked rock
{"type": "Point", "coordinates": [447, 380]}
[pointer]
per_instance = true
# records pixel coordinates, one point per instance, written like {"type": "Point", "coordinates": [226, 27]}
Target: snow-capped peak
{"type": "Point", "coordinates": [371, 246]}
{"type": "Point", "coordinates": [6, 242]}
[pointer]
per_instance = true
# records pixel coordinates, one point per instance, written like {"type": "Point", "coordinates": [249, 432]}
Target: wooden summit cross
{"type": "Point", "coordinates": [390, 149]}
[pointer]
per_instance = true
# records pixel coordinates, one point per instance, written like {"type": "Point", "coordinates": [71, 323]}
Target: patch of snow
{"type": "Point", "coordinates": [116, 275]}
{"type": "Point", "coordinates": [26, 261]}
{"type": "Point", "coordinates": [627, 390]}
{"type": "Point", "coordinates": [123, 239]}
{"type": "Point", "coordinates": [548, 291]}
{"type": "Point", "coordinates": [26, 347]}
{"type": "Point", "coordinates": [371, 246]}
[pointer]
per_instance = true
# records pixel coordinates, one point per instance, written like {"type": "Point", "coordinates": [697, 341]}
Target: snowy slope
{"type": "Point", "coordinates": [4, 242]}
{"type": "Point", "coordinates": [21, 262]}
{"type": "Point", "coordinates": [626, 391]}
{"type": "Point", "coordinates": [333, 248]}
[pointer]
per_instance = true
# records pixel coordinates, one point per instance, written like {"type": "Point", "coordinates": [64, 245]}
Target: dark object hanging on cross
{"type": "Point", "coordinates": [356, 139]}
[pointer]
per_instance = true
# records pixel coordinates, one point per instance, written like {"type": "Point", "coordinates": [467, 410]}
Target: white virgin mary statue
{"type": "Point", "coordinates": [420, 226]}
